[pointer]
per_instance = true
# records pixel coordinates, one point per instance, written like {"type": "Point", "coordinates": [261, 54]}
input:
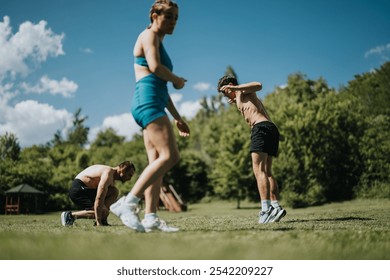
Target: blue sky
{"type": "Point", "coordinates": [60, 55]}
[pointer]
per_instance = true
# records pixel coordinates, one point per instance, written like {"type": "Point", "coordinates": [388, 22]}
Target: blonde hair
{"type": "Point", "coordinates": [157, 8]}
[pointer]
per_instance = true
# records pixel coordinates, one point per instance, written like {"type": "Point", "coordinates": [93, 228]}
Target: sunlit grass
{"type": "Point", "coordinates": [350, 230]}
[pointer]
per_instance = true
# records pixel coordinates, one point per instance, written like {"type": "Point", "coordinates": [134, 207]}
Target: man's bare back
{"type": "Point", "coordinates": [91, 176]}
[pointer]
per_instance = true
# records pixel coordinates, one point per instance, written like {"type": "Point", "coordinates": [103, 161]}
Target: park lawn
{"type": "Point", "coordinates": [353, 230]}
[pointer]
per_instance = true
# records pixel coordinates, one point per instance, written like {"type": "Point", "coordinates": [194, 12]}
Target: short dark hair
{"type": "Point", "coordinates": [225, 80]}
{"type": "Point", "coordinates": [127, 165]}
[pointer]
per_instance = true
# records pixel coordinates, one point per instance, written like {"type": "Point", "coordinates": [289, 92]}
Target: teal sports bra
{"type": "Point", "coordinates": [140, 60]}
{"type": "Point", "coordinates": [164, 58]}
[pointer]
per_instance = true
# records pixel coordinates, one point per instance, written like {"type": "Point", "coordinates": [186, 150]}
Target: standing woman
{"type": "Point", "coordinates": [153, 70]}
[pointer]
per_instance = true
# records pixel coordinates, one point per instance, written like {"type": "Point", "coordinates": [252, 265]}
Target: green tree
{"type": "Point", "coordinates": [230, 72]}
{"type": "Point", "coordinates": [190, 177]}
{"type": "Point", "coordinates": [375, 150]}
{"type": "Point", "coordinates": [371, 95]}
{"type": "Point", "coordinates": [372, 90]}
{"type": "Point", "coordinates": [9, 147]}
{"type": "Point", "coordinates": [232, 175]}
{"type": "Point", "coordinates": [9, 158]}
{"type": "Point", "coordinates": [319, 161]}
{"type": "Point", "coordinates": [35, 168]}
{"type": "Point", "coordinates": [107, 138]}
{"type": "Point", "coordinates": [78, 135]}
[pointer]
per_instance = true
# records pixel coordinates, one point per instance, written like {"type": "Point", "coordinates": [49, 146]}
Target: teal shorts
{"type": "Point", "coordinates": [149, 100]}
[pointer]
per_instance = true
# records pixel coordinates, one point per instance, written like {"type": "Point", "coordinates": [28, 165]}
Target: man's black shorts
{"type": "Point", "coordinates": [81, 195]}
{"type": "Point", "coordinates": [265, 138]}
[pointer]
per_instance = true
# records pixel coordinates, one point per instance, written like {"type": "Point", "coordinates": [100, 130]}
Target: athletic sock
{"type": "Point", "coordinates": [132, 199]}
{"type": "Point", "coordinates": [265, 204]}
{"type": "Point", "coordinates": [275, 204]}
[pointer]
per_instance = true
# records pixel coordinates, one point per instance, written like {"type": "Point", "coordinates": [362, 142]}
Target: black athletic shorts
{"type": "Point", "coordinates": [265, 138]}
{"type": "Point", "coordinates": [81, 195]}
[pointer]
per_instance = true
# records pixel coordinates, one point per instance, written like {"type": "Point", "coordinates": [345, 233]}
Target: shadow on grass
{"type": "Point", "coordinates": [283, 229]}
{"type": "Point", "coordinates": [343, 219]}
{"type": "Point", "coordinates": [247, 207]}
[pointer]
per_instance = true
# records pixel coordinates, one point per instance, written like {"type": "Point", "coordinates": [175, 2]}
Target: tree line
{"type": "Point", "coordinates": [335, 146]}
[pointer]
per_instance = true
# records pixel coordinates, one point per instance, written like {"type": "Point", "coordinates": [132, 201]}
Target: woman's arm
{"type": "Point", "coordinates": [151, 44]}
{"type": "Point", "coordinates": [184, 129]}
{"type": "Point", "coordinates": [172, 110]}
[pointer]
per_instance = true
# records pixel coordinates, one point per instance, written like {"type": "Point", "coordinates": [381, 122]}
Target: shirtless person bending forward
{"type": "Point", "coordinates": [264, 143]}
{"type": "Point", "coordinates": [94, 190]}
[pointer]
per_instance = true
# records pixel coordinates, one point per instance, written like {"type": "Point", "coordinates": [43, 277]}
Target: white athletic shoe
{"type": "Point", "coordinates": [158, 224]}
{"type": "Point", "coordinates": [128, 213]}
{"type": "Point", "coordinates": [277, 214]}
{"type": "Point", "coordinates": [265, 216]}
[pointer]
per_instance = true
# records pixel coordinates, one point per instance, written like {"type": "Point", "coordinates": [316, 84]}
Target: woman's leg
{"type": "Point", "coordinates": [161, 139]}
{"type": "Point", "coordinates": [152, 193]}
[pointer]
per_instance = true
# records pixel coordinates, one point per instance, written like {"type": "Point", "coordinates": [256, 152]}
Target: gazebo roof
{"type": "Point", "coordinates": [23, 188]}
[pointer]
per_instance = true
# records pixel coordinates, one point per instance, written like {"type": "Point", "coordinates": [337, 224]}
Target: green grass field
{"type": "Point", "coordinates": [354, 230]}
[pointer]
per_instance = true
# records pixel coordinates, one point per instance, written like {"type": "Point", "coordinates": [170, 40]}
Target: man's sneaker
{"type": "Point", "coordinates": [128, 213]}
{"type": "Point", "coordinates": [158, 224]}
{"type": "Point", "coordinates": [277, 214]}
{"type": "Point", "coordinates": [264, 216]}
{"type": "Point", "coordinates": [67, 219]}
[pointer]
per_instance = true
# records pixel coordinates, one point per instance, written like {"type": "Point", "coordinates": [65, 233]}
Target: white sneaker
{"type": "Point", "coordinates": [128, 213]}
{"type": "Point", "coordinates": [265, 216]}
{"type": "Point", "coordinates": [158, 224]}
{"type": "Point", "coordinates": [277, 214]}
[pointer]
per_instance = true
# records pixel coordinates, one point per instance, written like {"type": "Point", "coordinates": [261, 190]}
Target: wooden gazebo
{"type": "Point", "coordinates": [23, 199]}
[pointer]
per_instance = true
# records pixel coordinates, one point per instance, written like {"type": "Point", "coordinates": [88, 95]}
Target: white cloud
{"type": "Point", "coordinates": [86, 50]}
{"type": "Point", "coordinates": [283, 86]}
{"type": "Point", "coordinates": [33, 122]}
{"type": "Point", "coordinates": [20, 53]}
{"type": "Point", "coordinates": [186, 109]}
{"type": "Point", "coordinates": [378, 50]}
{"type": "Point", "coordinates": [176, 97]}
{"type": "Point", "coordinates": [124, 125]}
{"type": "Point", "coordinates": [189, 109]}
{"type": "Point", "coordinates": [64, 87]}
{"type": "Point", "coordinates": [5, 95]}
{"type": "Point", "coordinates": [32, 43]}
{"type": "Point", "coordinates": [202, 86]}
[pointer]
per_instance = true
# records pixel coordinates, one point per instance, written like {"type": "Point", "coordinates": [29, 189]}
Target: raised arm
{"type": "Point", "coordinates": [246, 88]}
